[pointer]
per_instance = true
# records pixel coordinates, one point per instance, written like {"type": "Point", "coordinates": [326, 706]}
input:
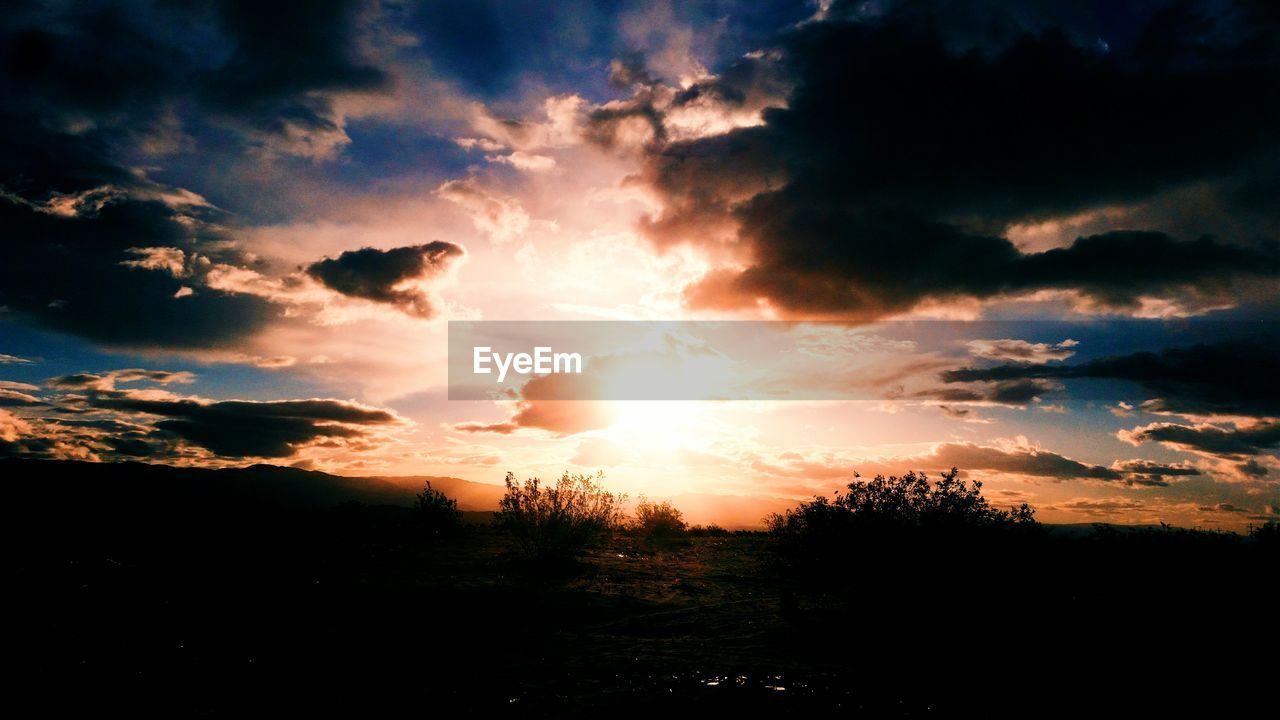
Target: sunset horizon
{"type": "Point", "coordinates": [737, 342]}
{"type": "Point", "coordinates": [235, 239]}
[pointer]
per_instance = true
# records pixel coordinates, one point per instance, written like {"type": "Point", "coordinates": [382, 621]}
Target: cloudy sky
{"type": "Point", "coordinates": [236, 232]}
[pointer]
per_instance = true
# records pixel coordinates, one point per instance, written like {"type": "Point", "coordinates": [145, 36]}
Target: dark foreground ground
{"type": "Point", "coordinates": [126, 599]}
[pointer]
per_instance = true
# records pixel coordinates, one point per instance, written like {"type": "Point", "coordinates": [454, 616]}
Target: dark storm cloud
{"type": "Point", "coordinates": [283, 50]}
{"type": "Point", "coordinates": [76, 381]}
{"type": "Point", "coordinates": [17, 398]}
{"type": "Point", "coordinates": [94, 90]}
{"type": "Point", "coordinates": [67, 272]}
{"type": "Point", "coordinates": [98, 420]}
{"type": "Point", "coordinates": [36, 447]}
{"type": "Point", "coordinates": [74, 439]}
{"type": "Point", "coordinates": [1035, 462]}
{"type": "Point", "coordinates": [379, 275]}
{"type": "Point", "coordinates": [605, 125]}
{"type": "Point", "coordinates": [1023, 461]}
{"type": "Point", "coordinates": [1252, 468]}
{"type": "Point", "coordinates": [242, 428]}
{"type": "Point", "coordinates": [1146, 467]}
{"type": "Point", "coordinates": [1231, 378]}
{"type": "Point", "coordinates": [107, 381]}
{"type": "Point", "coordinates": [264, 69]}
{"type": "Point", "coordinates": [1104, 507]}
{"type": "Point", "coordinates": [1152, 474]}
{"type": "Point", "coordinates": [1007, 392]}
{"type": "Point", "coordinates": [118, 439]}
{"type": "Point", "coordinates": [1260, 439]}
{"type": "Point", "coordinates": [909, 146]}
{"type": "Point", "coordinates": [748, 82]}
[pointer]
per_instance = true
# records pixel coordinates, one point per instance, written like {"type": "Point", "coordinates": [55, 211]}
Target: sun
{"type": "Point", "coordinates": [659, 426]}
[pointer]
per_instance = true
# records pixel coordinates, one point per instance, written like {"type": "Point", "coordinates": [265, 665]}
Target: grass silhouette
{"type": "Point", "coordinates": [156, 590]}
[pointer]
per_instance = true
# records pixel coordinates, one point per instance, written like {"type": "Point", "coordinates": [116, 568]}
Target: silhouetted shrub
{"type": "Point", "coordinates": [658, 521]}
{"type": "Point", "coordinates": [436, 513]}
{"type": "Point", "coordinates": [901, 507]}
{"type": "Point", "coordinates": [711, 530]}
{"type": "Point", "coordinates": [1266, 535]}
{"type": "Point", "coordinates": [559, 521]}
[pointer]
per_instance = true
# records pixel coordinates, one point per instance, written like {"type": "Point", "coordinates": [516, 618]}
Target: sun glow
{"type": "Point", "coordinates": [662, 426]}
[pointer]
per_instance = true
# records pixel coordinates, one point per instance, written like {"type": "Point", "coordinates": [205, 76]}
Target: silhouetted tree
{"type": "Point", "coordinates": [1266, 535]}
{"type": "Point", "coordinates": [437, 514]}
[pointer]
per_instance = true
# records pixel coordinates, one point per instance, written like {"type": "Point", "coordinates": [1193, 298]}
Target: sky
{"type": "Point", "coordinates": [1040, 239]}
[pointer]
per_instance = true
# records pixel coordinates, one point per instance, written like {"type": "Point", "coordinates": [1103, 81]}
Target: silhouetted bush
{"type": "Point", "coordinates": [711, 530]}
{"type": "Point", "coordinates": [1266, 535]}
{"type": "Point", "coordinates": [900, 508]}
{"type": "Point", "coordinates": [658, 521]}
{"type": "Point", "coordinates": [436, 513]}
{"type": "Point", "coordinates": [559, 521]}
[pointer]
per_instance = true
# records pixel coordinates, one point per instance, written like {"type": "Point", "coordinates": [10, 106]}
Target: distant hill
{"type": "Point", "coordinates": [43, 485]}
{"type": "Point", "coordinates": [48, 481]}
{"type": "Point", "coordinates": [469, 494]}
{"type": "Point", "coordinates": [1081, 530]}
{"type": "Point", "coordinates": [732, 512]}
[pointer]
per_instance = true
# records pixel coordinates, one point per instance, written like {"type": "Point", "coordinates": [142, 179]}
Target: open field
{"type": "Point", "coordinates": [249, 608]}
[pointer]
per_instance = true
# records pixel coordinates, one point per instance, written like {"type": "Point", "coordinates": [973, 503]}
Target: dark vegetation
{"type": "Point", "coordinates": [437, 513]}
{"type": "Point", "coordinates": [711, 530]}
{"type": "Point", "coordinates": [555, 523]}
{"type": "Point", "coordinates": [658, 525]}
{"type": "Point", "coordinates": [899, 511]}
{"type": "Point", "coordinates": [153, 591]}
